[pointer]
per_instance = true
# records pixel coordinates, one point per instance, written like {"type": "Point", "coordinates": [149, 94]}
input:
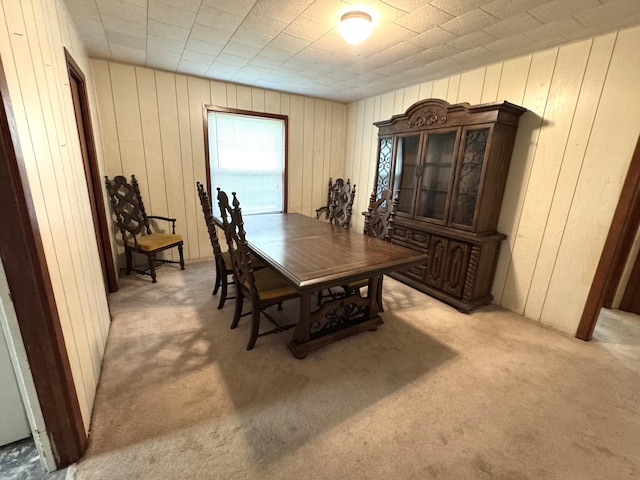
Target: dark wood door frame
{"type": "Point", "coordinates": [92, 171]}
{"type": "Point", "coordinates": [615, 252]}
{"type": "Point", "coordinates": [31, 292]}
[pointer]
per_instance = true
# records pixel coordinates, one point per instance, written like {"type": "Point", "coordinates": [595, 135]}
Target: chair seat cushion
{"type": "Point", "coordinates": [155, 241]}
{"type": "Point", "coordinates": [226, 256]}
{"type": "Point", "coordinates": [271, 285]}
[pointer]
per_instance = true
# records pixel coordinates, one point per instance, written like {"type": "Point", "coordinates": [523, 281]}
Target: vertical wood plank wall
{"type": "Point", "coordinates": [571, 156]}
{"type": "Point", "coordinates": [32, 37]}
{"type": "Point", "coordinates": [152, 126]}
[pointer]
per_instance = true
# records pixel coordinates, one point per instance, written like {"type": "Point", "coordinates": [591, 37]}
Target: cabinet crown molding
{"type": "Point", "coordinates": [436, 113]}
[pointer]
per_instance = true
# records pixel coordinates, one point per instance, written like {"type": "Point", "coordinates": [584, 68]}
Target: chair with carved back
{"type": "Point", "coordinates": [264, 287]}
{"type": "Point", "coordinates": [380, 215]}
{"type": "Point", "coordinates": [325, 208]}
{"type": "Point", "coordinates": [378, 222]}
{"type": "Point", "coordinates": [133, 223]}
{"type": "Point", "coordinates": [224, 268]}
{"type": "Point", "coordinates": [341, 207]}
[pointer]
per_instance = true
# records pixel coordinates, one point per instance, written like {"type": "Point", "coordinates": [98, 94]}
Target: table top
{"type": "Point", "coordinates": [312, 254]}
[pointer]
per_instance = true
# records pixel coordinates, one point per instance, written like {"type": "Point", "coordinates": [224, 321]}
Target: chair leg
{"type": "Point", "coordinates": [152, 268]}
{"type": "Point", "coordinates": [237, 313]}
{"type": "Point", "coordinates": [223, 294]}
{"type": "Point", "coordinates": [128, 257]}
{"type": "Point", "coordinates": [218, 279]}
{"type": "Point", "coordinates": [181, 256]}
{"type": "Point", "coordinates": [255, 325]}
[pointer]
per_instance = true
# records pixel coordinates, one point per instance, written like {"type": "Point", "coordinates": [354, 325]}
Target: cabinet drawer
{"type": "Point", "coordinates": [417, 272]}
{"type": "Point", "coordinates": [411, 237]}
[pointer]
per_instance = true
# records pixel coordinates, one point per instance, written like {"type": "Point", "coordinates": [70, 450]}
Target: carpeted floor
{"type": "Point", "coordinates": [432, 394]}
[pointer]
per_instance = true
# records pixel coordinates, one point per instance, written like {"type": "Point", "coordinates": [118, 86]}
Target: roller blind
{"type": "Point", "coordinates": [246, 156]}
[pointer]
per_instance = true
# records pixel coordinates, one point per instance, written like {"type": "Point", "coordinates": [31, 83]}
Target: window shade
{"type": "Point", "coordinates": [246, 156]}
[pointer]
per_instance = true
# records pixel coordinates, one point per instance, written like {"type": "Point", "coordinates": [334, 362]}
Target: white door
{"type": "Point", "coordinates": [17, 390]}
{"type": "Point", "coordinates": [13, 418]}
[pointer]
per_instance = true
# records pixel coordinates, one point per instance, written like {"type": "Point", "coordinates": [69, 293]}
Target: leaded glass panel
{"type": "Point", "coordinates": [384, 165]}
{"type": "Point", "coordinates": [470, 173]}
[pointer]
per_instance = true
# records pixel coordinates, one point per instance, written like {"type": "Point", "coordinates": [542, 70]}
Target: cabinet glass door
{"type": "Point", "coordinates": [475, 146]}
{"type": "Point", "coordinates": [385, 147]}
{"type": "Point", "coordinates": [436, 175]}
{"type": "Point", "coordinates": [407, 158]}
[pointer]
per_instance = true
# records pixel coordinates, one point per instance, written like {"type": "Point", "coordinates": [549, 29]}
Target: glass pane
{"type": "Point", "coordinates": [474, 148]}
{"type": "Point", "coordinates": [436, 175]}
{"type": "Point", "coordinates": [384, 166]}
{"type": "Point", "coordinates": [406, 164]}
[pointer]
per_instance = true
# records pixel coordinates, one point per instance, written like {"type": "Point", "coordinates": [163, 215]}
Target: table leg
{"type": "Point", "coordinates": [302, 334]}
{"type": "Point", "coordinates": [335, 319]}
{"type": "Point", "coordinates": [372, 293]}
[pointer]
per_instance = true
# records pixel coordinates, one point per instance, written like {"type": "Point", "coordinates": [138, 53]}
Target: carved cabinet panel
{"type": "Point", "coordinates": [455, 268]}
{"type": "Point", "coordinates": [448, 164]}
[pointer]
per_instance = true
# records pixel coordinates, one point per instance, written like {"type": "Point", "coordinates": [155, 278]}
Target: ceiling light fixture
{"type": "Point", "coordinates": [355, 26]}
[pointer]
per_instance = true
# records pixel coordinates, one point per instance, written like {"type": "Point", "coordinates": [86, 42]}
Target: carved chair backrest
{"type": "Point", "coordinates": [128, 208]}
{"type": "Point", "coordinates": [330, 191]}
{"type": "Point", "coordinates": [207, 211]}
{"type": "Point", "coordinates": [342, 203]}
{"type": "Point", "coordinates": [380, 216]}
{"type": "Point", "coordinates": [233, 226]}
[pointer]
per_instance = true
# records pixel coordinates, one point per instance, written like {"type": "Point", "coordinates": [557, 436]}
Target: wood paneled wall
{"type": "Point", "coordinates": [152, 126]}
{"type": "Point", "coordinates": [572, 152]}
{"type": "Point", "coordinates": [32, 37]}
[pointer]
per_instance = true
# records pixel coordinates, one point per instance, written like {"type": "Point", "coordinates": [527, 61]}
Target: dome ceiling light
{"type": "Point", "coordinates": [355, 26]}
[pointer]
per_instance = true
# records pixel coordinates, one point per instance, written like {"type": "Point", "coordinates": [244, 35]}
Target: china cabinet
{"type": "Point", "coordinates": [448, 165]}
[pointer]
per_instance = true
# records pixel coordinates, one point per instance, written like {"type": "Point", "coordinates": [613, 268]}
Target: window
{"type": "Point", "coordinates": [246, 154]}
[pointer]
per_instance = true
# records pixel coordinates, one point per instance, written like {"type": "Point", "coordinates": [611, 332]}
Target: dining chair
{"type": "Point", "coordinates": [325, 208]}
{"type": "Point", "coordinates": [380, 215]}
{"type": "Point", "coordinates": [224, 268]}
{"type": "Point", "coordinates": [133, 223]}
{"type": "Point", "coordinates": [378, 222]}
{"type": "Point", "coordinates": [264, 287]}
{"type": "Point", "coordinates": [342, 198]}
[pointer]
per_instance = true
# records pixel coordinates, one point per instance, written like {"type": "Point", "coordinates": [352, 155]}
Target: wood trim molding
{"type": "Point", "coordinates": [616, 249]}
{"type": "Point", "coordinates": [27, 274]}
{"type": "Point", "coordinates": [94, 180]}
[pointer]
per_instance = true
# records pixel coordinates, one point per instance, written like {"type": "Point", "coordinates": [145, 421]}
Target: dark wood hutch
{"type": "Point", "coordinates": [449, 165]}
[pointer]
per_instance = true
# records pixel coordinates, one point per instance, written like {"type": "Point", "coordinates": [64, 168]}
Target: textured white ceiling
{"type": "Point", "coordinates": [294, 45]}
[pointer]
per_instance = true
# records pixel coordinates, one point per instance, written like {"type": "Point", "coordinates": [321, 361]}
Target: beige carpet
{"type": "Point", "coordinates": [433, 393]}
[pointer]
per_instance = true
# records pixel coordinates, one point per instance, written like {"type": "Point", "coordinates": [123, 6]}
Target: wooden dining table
{"type": "Point", "coordinates": [312, 256]}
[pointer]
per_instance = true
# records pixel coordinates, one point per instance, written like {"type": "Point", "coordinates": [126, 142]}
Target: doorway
{"type": "Point", "coordinates": [13, 417]}
{"type": "Point", "coordinates": [80, 99]}
{"type": "Point", "coordinates": [31, 293]}
{"type": "Point", "coordinates": [630, 301]}
{"type": "Point", "coordinates": [615, 252]}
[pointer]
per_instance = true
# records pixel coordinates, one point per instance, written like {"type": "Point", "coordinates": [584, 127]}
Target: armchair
{"type": "Point", "coordinates": [133, 223]}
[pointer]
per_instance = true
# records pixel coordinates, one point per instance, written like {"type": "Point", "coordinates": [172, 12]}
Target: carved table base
{"type": "Point", "coordinates": [334, 320]}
